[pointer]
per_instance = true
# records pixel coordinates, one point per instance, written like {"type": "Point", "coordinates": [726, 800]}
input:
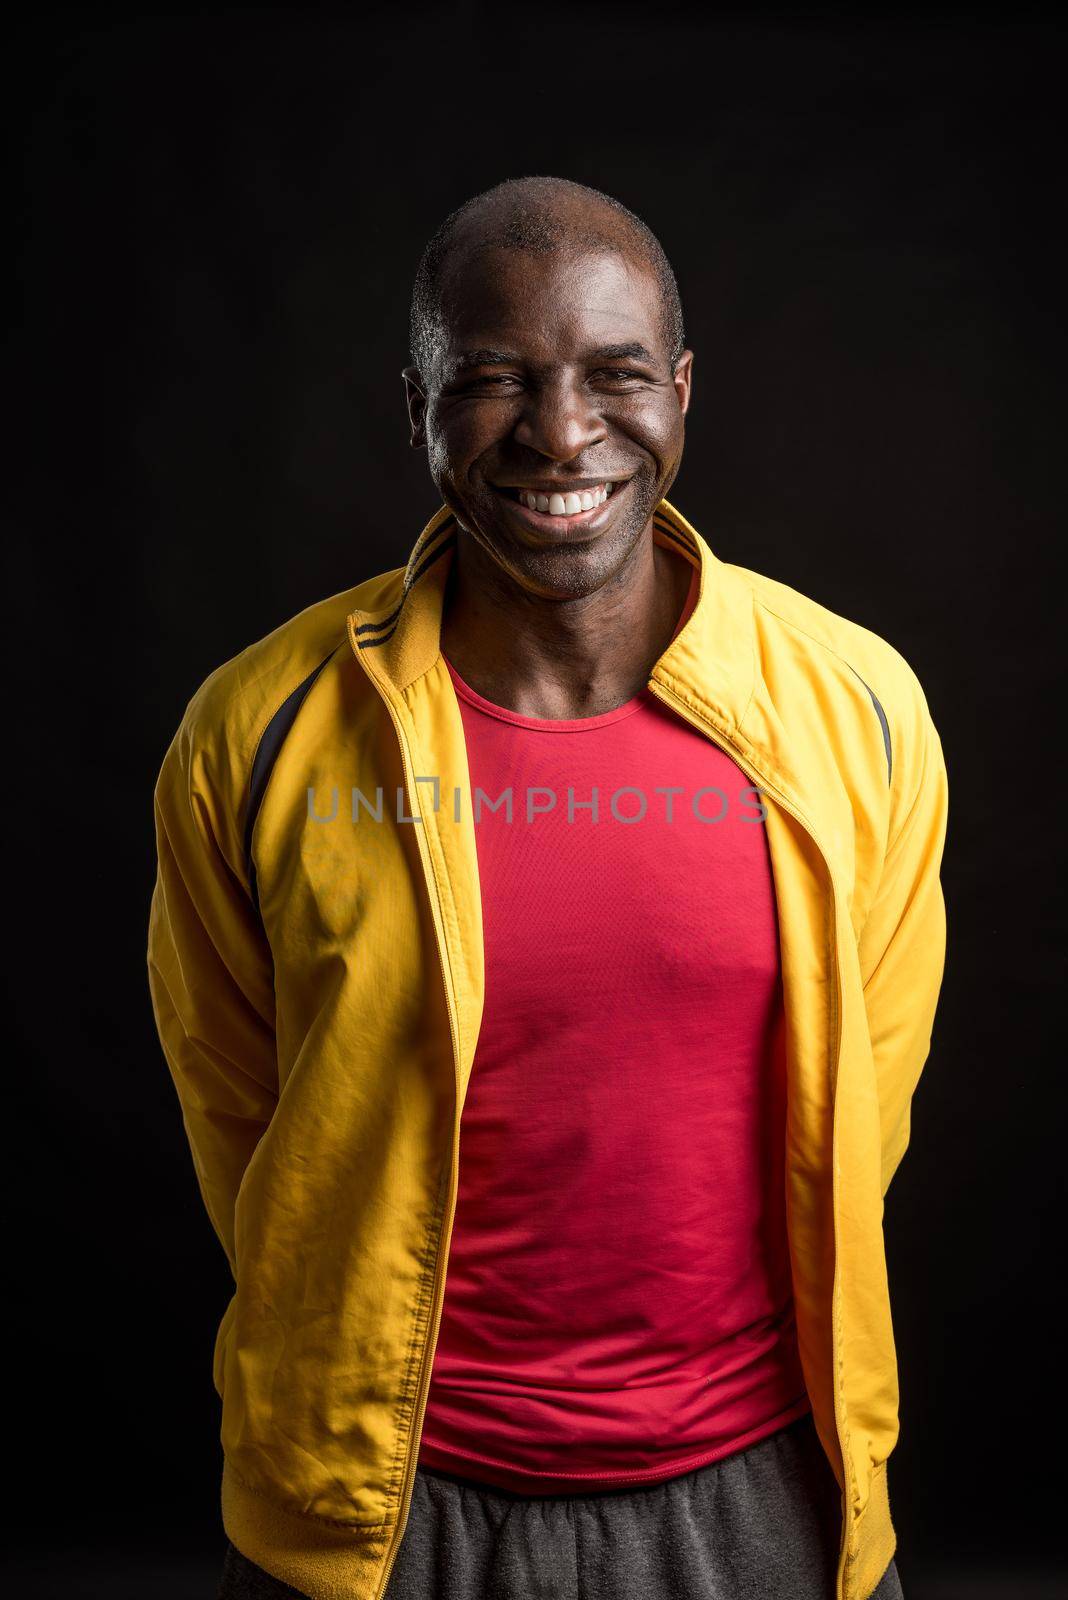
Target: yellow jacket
{"type": "Point", "coordinates": [318, 993]}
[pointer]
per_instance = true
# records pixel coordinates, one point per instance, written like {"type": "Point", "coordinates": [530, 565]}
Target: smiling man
{"type": "Point", "coordinates": [545, 950]}
{"type": "Point", "coordinates": [561, 599]}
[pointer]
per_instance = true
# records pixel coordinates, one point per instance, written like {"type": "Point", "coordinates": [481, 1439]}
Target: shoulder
{"type": "Point", "coordinates": [859, 723]}
{"type": "Point", "coordinates": [212, 753]}
{"type": "Point", "coordinates": [824, 643]}
{"type": "Point", "coordinates": [236, 701]}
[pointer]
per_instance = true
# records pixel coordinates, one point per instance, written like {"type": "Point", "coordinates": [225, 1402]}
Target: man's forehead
{"type": "Point", "coordinates": [499, 280]}
{"type": "Point", "coordinates": [545, 303]}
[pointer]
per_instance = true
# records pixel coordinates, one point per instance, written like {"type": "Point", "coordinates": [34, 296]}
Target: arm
{"type": "Point", "coordinates": [211, 979]}
{"type": "Point", "coordinates": [903, 942]}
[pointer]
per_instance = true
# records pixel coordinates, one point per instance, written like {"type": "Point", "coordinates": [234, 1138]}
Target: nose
{"type": "Point", "coordinates": [559, 421]}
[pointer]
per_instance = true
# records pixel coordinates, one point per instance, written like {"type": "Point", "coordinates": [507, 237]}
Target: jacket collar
{"type": "Point", "coordinates": [710, 664]}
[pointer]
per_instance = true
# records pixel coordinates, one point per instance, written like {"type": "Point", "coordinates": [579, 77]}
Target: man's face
{"type": "Point", "coordinates": [552, 377]}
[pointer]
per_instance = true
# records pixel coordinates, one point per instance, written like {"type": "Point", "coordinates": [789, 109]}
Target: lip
{"type": "Point", "coordinates": [567, 486]}
{"type": "Point", "coordinates": [540, 523]}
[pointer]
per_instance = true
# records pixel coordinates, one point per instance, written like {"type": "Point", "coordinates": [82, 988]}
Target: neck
{"type": "Point", "coordinates": [561, 659]}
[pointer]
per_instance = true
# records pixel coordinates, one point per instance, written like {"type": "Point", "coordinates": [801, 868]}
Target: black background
{"type": "Point", "coordinates": [217, 219]}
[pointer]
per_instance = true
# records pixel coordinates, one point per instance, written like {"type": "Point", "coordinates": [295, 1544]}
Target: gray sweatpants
{"type": "Point", "coordinates": [762, 1524]}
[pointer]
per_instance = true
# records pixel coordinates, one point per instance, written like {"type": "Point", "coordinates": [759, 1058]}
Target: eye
{"type": "Point", "coordinates": [497, 381]}
{"type": "Point", "coordinates": [621, 374]}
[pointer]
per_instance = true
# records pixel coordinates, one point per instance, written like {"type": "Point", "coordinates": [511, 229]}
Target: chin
{"type": "Point", "coordinates": [567, 571]}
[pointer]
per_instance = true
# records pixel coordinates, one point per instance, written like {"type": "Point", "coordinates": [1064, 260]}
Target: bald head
{"type": "Point", "coordinates": [539, 215]}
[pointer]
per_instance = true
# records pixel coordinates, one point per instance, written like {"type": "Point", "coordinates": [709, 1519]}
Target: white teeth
{"type": "Point", "coordinates": [566, 505]}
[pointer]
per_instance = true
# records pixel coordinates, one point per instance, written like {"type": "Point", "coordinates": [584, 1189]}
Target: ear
{"type": "Point", "coordinates": [415, 393]}
{"type": "Point", "coordinates": [683, 379]}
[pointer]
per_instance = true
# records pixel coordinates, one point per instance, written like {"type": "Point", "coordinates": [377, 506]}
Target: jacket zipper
{"type": "Point", "coordinates": [671, 699]}
{"type": "Point", "coordinates": [423, 1388]}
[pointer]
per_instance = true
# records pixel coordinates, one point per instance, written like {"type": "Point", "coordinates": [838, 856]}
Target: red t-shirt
{"type": "Point", "coordinates": [618, 1302]}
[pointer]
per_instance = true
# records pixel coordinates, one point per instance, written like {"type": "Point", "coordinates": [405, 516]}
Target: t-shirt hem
{"type": "Point", "coordinates": [528, 1481]}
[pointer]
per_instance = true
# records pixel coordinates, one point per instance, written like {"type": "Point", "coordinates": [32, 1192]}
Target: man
{"type": "Point", "coordinates": [545, 949]}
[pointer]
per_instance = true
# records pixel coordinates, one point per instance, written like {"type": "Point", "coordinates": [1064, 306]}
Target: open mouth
{"type": "Point", "coordinates": [567, 504]}
{"type": "Point", "coordinates": [560, 509]}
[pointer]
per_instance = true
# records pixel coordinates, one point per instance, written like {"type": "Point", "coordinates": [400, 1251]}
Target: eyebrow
{"type": "Point", "coordinates": [502, 358]}
{"type": "Point", "coordinates": [482, 358]}
{"type": "Point", "coordinates": [620, 352]}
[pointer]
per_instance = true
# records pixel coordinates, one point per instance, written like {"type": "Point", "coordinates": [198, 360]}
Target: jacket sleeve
{"type": "Point", "coordinates": [903, 942]}
{"type": "Point", "coordinates": [210, 977]}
